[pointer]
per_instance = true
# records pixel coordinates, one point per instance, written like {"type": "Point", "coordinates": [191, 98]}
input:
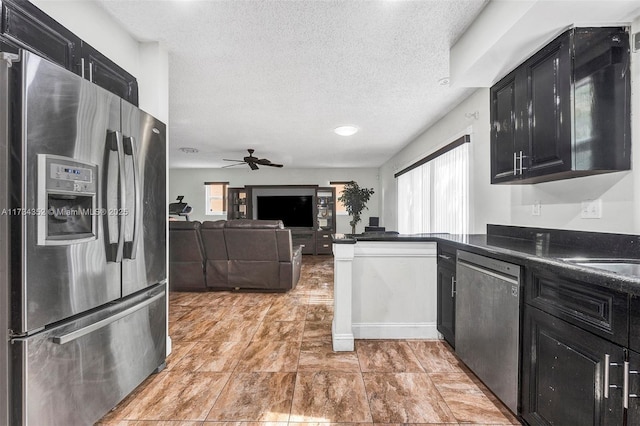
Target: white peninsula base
{"type": "Point", "coordinates": [384, 290]}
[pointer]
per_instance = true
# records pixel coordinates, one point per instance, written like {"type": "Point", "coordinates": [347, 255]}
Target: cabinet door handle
{"type": "Point", "coordinates": [453, 287]}
{"type": "Point", "coordinates": [632, 395]}
{"type": "Point", "coordinates": [606, 375]}
{"type": "Point", "coordinates": [91, 71]}
{"type": "Point", "coordinates": [607, 365]}
{"type": "Point", "coordinates": [82, 67]}
{"type": "Point", "coordinates": [625, 386]}
{"type": "Point", "coordinates": [444, 256]}
{"type": "Point", "coordinates": [515, 163]}
{"type": "Point", "coordinates": [522, 157]}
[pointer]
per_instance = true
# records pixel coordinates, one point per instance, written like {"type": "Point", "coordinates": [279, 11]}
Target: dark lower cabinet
{"type": "Point", "coordinates": [324, 244]}
{"type": "Point", "coordinates": [564, 374]}
{"type": "Point", "coordinates": [446, 293]}
{"type": "Point", "coordinates": [633, 402]}
{"type": "Point", "coordinates": [447, 304]}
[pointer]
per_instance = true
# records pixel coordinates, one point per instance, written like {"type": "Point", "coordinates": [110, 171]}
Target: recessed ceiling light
{"type": "Point", "coordinates": [188, 150]}
{"type": "Point", "coordinates": [345, 130]}
{"type": "Point", "coordinates": [444, 81]}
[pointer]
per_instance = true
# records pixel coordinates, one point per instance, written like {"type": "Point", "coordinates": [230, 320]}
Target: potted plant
{"type": "Point", "coordinates": [355, 200]}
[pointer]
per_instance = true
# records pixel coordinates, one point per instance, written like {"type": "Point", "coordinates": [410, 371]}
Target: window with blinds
{"type": "Point", "coordinates": [216, 198]}
{"type": "Point", "coordinates": [433, 193]}
{"type": "Point", "coordinates": [340, 208]}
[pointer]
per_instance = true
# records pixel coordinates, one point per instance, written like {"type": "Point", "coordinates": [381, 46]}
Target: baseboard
{"type": "Point", "coordinates": [395, 331]}
{"type": "Point", "coordinates": [343, 342]}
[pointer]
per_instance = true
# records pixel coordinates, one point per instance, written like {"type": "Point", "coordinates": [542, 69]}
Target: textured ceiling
{"type": "Point", "coordinates": [279, 76]}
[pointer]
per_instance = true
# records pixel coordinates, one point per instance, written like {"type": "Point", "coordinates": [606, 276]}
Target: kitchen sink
{"type": "Point", "coordinates": [618, 266]}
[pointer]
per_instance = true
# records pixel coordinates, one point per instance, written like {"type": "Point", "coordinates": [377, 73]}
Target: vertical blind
{"type": "Point", "coordinates": [434, 195]}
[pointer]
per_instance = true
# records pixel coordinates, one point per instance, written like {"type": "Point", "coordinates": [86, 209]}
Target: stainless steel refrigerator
{"type": "Point", "coordinates": [83, 245]}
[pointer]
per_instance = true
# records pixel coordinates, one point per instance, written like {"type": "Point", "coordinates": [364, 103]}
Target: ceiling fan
{"type": "Point", "coordinates": [252, 161]}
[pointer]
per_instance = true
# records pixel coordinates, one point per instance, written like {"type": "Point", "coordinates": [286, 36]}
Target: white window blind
{"type": "Point", "coordinates": [433, 195]}
{"type": "Point", "coordinates": [216, 198]}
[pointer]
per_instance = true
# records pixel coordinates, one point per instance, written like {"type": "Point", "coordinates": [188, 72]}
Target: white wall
{"type": "Point", "coordinates": [489, 204]}
{"type": "Point", "coordinates": [190, 183]}
{"type": "Point", "coordinates": [148, 62]}
{"type": "Point", "coordinates": [512, 204]}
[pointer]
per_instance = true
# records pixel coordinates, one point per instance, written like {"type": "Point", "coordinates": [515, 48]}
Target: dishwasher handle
{"type": "Point", "coordinates": [485, 271]}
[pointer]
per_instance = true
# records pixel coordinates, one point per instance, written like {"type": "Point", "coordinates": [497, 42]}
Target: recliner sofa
{"type": "Point", "coordinates": [236, 254]}
{"type": "Point", "coordinates": [186, 256]}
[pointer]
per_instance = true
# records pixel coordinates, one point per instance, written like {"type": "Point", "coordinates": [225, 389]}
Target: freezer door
{"type": "Point", "coordinates": [145, 215]}
{"type": "Point", "coordinates": [75, 373]}
{"type": "Point", "coordinates": [64, 116]}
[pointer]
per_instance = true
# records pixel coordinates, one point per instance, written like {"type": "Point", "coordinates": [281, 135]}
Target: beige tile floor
{"type": "Point", "coordinates": [261, 357]}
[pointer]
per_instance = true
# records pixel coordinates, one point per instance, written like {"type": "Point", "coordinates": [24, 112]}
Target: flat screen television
{"type": "Point", "coordinates": [295, 211]}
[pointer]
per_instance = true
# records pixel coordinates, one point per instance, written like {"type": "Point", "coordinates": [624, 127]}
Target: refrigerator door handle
{"type": "Point", "coordinates": [130, 247]}
{"type": "Point", "coordinates": [114, 250]}
{"type": "Point", "coordinates": [6, 60]}
{"type": "Point", "coordinates": [75, 335]}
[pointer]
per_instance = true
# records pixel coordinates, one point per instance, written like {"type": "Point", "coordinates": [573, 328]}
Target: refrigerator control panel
{"type": "Point", "coordinates": [70, 173]}
{"type": "Point", "coordinates": [70, 176]}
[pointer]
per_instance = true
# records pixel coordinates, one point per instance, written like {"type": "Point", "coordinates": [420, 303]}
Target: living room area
{"type": "Point", "coordinates": [242, 352]}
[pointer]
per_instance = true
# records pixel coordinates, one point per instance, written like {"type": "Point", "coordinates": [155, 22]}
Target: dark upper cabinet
{"type": "Point", "coordinates": [565, 112]}
{"type": "Point", "coordinates": [25, 26]}
{"type": "Point", "coordinates": [446, 293]}
{"type": "Point", "coordinates": [507, 107]}
{"type": "Point", "coordinates": [105, 73]}
{"type": "Point", "coordinates": [564, 380]}
{"type": "Point", "coordinates": [547, 142]}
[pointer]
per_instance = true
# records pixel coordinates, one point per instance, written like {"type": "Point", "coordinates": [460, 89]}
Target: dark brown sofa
{"type": "Point", "coordinates": [240, 254]}
{"type": "Point", "coordinates": [186, 256]}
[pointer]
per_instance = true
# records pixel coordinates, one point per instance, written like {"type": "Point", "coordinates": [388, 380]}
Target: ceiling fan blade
{"type": "Point", "coordinates": [252, 161]}
{"type": "Point", "coordinates": [242, 163]}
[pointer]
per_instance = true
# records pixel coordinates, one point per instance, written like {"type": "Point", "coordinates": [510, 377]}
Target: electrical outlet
{"type": "Point", "coordinates": [591, 209]}
{"type": "Point", "coordinates": [536, 208]}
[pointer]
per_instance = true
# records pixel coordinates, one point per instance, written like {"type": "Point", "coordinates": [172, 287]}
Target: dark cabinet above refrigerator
{"type": "Point", "coordinates": [26, 26]}
{"type": "Point", "coordinates": [565, 112]}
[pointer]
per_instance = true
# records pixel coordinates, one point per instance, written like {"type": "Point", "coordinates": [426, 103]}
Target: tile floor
{"type": "Point", "coordinates": [256, 357]}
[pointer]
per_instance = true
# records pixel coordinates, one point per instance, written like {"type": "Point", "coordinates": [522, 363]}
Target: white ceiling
{"type": "Point", "coordinates": [279, 76]}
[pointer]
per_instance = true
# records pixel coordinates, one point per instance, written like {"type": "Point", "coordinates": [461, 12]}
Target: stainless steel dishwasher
{"type": "Point", "coordinates": [488, 322]}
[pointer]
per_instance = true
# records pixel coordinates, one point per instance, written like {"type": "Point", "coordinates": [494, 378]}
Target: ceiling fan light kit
{"type": "Point", "coordinates": [252, 161]}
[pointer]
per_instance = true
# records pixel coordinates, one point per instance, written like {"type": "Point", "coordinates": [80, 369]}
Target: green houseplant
{"type": "Point", "coordinates": [355, 200]}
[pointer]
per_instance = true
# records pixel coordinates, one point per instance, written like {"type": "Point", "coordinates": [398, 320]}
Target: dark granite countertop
{"type": "Point", "coordinates": [537, 248]}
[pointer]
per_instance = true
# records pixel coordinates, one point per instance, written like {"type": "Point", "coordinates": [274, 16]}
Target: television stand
{"type": "Point", "coordinates": [304, 237]}
{"type": "Point", "coordinates": [316, 239]}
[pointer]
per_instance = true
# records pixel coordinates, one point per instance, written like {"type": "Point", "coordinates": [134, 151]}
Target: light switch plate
{"type": "Point", "coordinates": [591, 209]}
{"type": "Point", "coordinates": [536, 208]}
